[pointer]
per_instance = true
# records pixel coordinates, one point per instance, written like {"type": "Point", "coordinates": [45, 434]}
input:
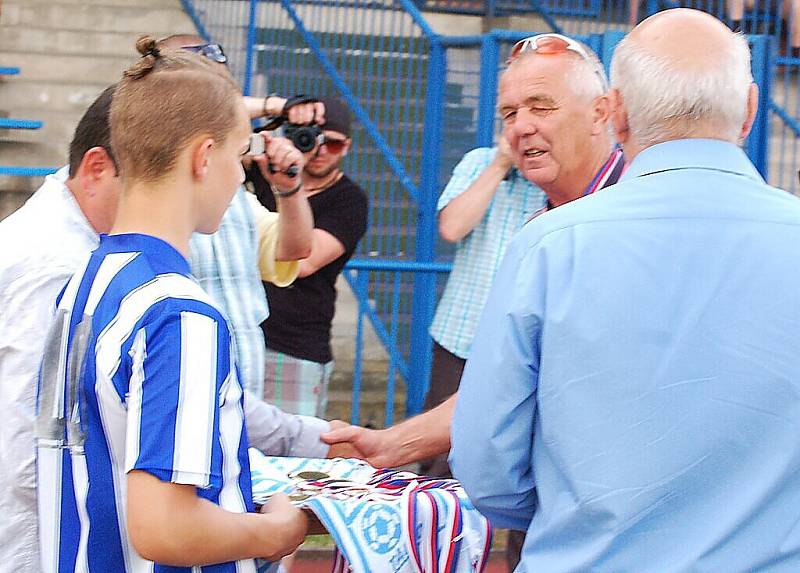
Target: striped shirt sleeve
{"type": "Point", "coordinates": [465, 173]}
{"type": "Point", "coordinates": [179, 362]}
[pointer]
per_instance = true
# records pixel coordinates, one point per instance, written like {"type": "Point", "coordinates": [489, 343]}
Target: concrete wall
{"type": "Point", "coordinates": [68, 51]}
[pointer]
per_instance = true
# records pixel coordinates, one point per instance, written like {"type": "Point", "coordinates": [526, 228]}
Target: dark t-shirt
{"type": "Point", "coordinates": [300, 315]}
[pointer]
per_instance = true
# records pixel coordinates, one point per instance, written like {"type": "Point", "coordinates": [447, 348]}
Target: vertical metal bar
{"type": "Point", "coordinates": [490, 56]}
{"type": "Point", "coordinates": [758, 141]}
{"type": "Point", "coordinates": [251, 40]}
{"type": "Point", "coordinates": [393, 328]}
{"type": "Point", "coordinates": [425, 283]}
{"type": "Point", "coordinates": [361, 298]}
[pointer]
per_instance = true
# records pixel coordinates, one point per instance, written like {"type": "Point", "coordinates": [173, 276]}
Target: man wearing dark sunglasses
{"type": "Point", "coordinates": [299, 361]}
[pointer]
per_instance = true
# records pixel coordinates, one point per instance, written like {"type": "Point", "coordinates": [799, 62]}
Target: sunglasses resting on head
{"type": "Point", "coordinates": [545, 44]}
{"type": "Point", "coordinates": [211, 51]}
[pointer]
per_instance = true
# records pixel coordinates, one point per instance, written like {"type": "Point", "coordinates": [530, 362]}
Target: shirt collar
{"type": "Point", "coordinates": [136, 242]}
{"type": "Point", "coordinates": [606, 176]}
{"type": "Point", "coordinates": [56, 183]}
{"type": "Point", "coordinates": [692, 154]}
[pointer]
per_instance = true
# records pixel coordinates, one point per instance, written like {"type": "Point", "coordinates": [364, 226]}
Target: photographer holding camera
{"type": "Point", "coordinates": [299, 361]}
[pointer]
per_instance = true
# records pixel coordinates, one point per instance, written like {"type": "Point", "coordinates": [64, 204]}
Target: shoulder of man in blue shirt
{"type": "Point", "coordinates": [691, 178]}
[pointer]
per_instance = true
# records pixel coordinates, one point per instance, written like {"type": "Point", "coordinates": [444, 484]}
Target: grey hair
{"type": "Point", "coordinates": [584, 76]}
{"type": "Point", "coordinates": [666, 103]}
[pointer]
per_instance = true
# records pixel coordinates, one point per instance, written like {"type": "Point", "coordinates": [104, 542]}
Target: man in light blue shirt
{"type": "Point", "coordinates": [632, 397]}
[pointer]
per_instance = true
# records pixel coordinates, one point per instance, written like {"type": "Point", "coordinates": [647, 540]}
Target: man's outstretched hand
{"type": "Point", "coordinates": [348, 441]}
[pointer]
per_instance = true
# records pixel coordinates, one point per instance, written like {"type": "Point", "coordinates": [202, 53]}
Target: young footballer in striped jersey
{"type": "Point", "coordinates": [142, 462]}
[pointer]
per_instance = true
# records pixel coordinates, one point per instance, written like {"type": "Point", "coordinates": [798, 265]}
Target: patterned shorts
{"type": "Point", "coordinates": [296, 386]}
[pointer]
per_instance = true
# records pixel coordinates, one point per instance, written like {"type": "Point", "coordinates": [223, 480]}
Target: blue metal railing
{"type": "Point", "coordinates": [26, 171]}
{"type": "Point", "coordinates": [25, 124]}
{"type": "Point", "coordinates": [9, 123]}
{"type": "Point", "coordinates": [422, 100]}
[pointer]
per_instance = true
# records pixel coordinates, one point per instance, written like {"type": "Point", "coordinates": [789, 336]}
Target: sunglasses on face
{"type": "Point", "coordinates": [211, 51]}
{"type": "Point", "coordinates": [546, 44]}
{"type": "Point", "coordinates": [334, 146]}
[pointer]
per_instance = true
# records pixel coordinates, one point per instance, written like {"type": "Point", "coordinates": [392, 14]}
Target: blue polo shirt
{"type": "Point", "coordinates": [632, 397]}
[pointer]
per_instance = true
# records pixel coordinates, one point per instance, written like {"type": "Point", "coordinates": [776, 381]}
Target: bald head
{"type": "Point", "coordinates": [689, 39]}
{"type": "Point", "coordinates": [682, 74]}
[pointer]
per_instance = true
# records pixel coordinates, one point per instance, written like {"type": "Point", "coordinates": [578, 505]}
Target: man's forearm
{"type": "Point", "coordinates": [295, 228]}
{"type": "Point", "coordinates": [464, 212]}
{"type": "Point", "coordinates": [422, 436]}
{"type": "Point", "coordinates": [258, 106]}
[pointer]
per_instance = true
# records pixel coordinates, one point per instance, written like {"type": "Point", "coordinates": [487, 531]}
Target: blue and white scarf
{"type": "Point", "coordinates": [382, 521]}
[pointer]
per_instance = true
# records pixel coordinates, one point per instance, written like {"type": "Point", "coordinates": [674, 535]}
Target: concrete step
{"type": "Point", "coordinates": [156, 19]}
{"type": "Point", "coordinates": [142, 3]}
{"type": "Point", "coordinates": [39, 96]}
{"type": "Point", "coordinates": [91, 69]}
{"type": "Point", "coordinates": [40, 40]}
{"type": "Point", "coordinates": [33, 154]}
{"type": "Point", "coordinates": [58, 129]}
{"type": "Point", "coordinates": [372, 406]}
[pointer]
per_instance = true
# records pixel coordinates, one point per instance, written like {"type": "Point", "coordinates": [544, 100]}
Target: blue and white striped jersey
{"type": "Point", "coordinates": [138, 374]}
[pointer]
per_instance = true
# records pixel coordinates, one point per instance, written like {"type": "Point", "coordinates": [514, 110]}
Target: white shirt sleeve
{"type": "Point", "coordinates": [27, 303]}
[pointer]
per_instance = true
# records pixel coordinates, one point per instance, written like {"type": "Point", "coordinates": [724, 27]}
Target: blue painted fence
{"type": "Point", "coordinates": [422, 100]}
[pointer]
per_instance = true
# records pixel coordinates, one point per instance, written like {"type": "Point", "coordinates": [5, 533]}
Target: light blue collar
{"type": "Point", "coordinates": [692, 154]}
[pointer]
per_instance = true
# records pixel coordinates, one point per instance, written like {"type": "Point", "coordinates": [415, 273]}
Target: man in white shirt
{"type": "Point", "coordinates": [45, 241]}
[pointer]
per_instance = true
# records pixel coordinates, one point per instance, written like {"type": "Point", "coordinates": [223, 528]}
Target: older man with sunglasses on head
{"type": "Point", "coordinates": [556, 147]}
{"type": "Point", "coordinates": [556, 137]}
{"type": "Point", "coordinates": [634, 377]}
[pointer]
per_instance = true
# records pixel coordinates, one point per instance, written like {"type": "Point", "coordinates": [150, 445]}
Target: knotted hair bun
{"type": "Point", "coordinates": [147, 47]}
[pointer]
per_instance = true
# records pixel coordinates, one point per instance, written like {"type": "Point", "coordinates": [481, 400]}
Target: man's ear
{"type": "Point", "coordinates": [601, 113]}
{"type": "Point", "coordinates": [752, 110]}
{"type": "Point", "coordinates": [619, 116]}
{"type": "Point", "coordinates": [95, 165]}
{"type": "Point", "coordinates": [347, 144]}
{"type": "Point", "coordinates": [200, 157]}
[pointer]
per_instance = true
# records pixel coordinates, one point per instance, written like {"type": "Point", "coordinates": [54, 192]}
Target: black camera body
{"type": "Point", "coordinates": [303, 137]}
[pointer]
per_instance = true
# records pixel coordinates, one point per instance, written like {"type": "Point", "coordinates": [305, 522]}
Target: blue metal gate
{"type": "Point", "coordinates": [422, 100]}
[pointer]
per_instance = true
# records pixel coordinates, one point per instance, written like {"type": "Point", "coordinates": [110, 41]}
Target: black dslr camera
{"type": "Point", "coordinates": [303, 137]}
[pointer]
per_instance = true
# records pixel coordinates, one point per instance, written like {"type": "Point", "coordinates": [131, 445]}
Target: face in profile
{"type": "Point", "coordinates": [328, 155]}
{"type": "Point", "coordinates": [547, 125]}
{"type": "Point", "coordinates": [225, 173]}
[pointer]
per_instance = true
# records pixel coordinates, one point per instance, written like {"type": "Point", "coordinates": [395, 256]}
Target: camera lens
{"type": "Point", "coordinates": [303, 137]}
